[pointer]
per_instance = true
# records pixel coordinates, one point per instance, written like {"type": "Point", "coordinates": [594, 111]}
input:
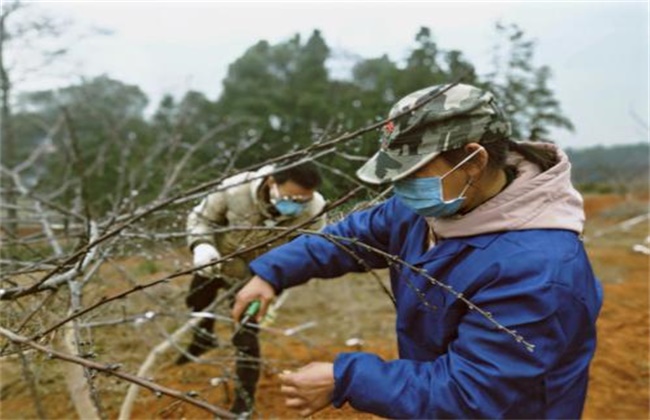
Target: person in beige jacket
{"type": "Point", "coordinates": [218, 227]}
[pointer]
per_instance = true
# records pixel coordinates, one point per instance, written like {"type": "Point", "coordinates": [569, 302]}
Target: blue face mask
{"type": "Point", "coordinates": [285, 205]}
{"type": "Point", "coordinates": [289, 207]}
{"type": "Point", "coordinates": [425, 197]}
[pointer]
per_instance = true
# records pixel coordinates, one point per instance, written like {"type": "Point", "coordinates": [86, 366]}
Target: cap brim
{"type": "Point", "coordinates": [383, 167]}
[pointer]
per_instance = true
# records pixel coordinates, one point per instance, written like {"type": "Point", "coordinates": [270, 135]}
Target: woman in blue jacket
{"type": "Point", "coordinates": [496, 299]}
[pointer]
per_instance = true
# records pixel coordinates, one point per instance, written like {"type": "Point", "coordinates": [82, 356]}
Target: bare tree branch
{"type": "Point", "coordinates": [54, 282]}
{"type": "Point", "coordinates": [112, 370]}
{"type": "Point", "coordinates": [258, 245]}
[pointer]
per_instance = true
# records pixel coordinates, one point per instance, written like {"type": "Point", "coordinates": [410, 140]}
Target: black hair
{"type": "Point", "coordinates": [306, 175]}
{"type": "Point", "coordinates": [498, 152]}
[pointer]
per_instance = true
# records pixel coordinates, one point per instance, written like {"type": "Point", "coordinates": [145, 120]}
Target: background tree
{"type": "Point", "coordinates": [19, 30]}
{"type": "Point", "coordinates": [423, 67]}
{"type": "Point", "coordinates": [280, 92]}
{"type": "Point", "coordinates": [104, 126]}
{"type": "Point", "coordinates": [190, 132]}
{"type": "Point", "coordinates": [523, 88]}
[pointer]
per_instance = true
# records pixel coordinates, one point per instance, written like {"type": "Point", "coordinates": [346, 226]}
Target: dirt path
{"type": "Point", "coordinates": [619, 377]}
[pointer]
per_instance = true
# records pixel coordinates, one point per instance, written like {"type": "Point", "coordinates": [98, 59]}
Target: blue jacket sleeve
{"type": "Point", "coordinates": [324, 256]}
{"type": "Point", "coordinates": [485, 372]}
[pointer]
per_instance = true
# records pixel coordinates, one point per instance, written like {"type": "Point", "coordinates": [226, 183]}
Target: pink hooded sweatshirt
{"type": "Point", "coordinates": [533, 200]}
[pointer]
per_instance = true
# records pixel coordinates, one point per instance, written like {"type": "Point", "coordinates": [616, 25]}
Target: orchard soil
{"type": "Point", "coordinates": [354, 307]}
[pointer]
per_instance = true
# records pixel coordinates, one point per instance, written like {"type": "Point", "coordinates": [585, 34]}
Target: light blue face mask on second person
{"type": "Point", "coordinates": [285, 205]}
{"type": "Point", "coordinates": [425, 197]}
{"type": "Point", "coordinates": [289, 207]}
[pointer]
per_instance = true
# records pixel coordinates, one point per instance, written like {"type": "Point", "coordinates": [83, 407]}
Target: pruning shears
{"type": "Point", "coordinates": [251, 311]}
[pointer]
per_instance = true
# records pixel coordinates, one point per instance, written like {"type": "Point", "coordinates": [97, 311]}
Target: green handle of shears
{"type": "Point", "coordinates": [252, 309]}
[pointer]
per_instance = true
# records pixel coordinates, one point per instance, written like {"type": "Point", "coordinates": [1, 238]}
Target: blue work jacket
{"type": "Point", "coordinates": [453, 361]}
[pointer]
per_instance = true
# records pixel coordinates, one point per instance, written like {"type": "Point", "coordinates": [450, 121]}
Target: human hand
{"type": "Point", "coordinates": [203, 254]}
{"type": "Point", "coordinates": [309, 389]}
{"type": "Point", "coordinates": [255, 289]}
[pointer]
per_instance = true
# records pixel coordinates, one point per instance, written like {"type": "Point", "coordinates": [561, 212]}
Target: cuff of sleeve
{"type": "Point", "coordinates": [341, 378]}
{"type": "Point", "coordinates": [267, 274]}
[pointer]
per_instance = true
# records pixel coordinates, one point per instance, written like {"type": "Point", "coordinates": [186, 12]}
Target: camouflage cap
{"type": "Point", "coordinates": [461, 115]}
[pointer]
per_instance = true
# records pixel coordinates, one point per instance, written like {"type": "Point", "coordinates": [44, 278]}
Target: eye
{"type": "Point", "coordinates": [301, 199]}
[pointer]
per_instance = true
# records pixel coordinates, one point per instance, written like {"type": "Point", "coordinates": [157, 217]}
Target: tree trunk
{"type": "Point", "coordinates": [7, 152]}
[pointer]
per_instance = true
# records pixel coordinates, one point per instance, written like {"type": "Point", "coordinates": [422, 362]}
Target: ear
{"type": "Point", "coordinates": [477, 164]}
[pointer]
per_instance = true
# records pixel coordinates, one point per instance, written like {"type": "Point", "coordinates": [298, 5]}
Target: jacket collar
{"type": "Point", "coordinates": [256, 185]}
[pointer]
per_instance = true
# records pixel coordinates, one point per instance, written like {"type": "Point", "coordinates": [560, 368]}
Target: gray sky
{"type": "Point", "coordinates": [598, 51]}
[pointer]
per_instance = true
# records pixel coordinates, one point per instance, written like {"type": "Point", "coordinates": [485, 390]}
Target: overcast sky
{"type": "Point", "coordinates": [598, 51]}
